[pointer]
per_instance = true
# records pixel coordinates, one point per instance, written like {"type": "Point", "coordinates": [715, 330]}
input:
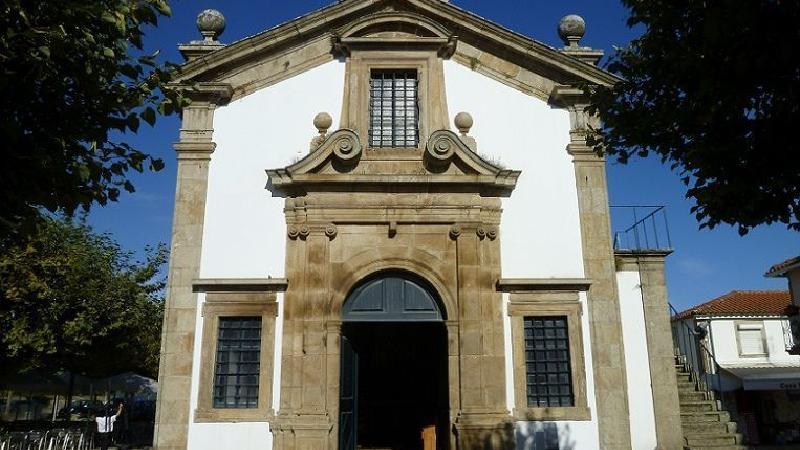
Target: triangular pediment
{"type": "Point", "coordinates": [341, 162]}
{"type": "Point", "coordinates": [315, 38]}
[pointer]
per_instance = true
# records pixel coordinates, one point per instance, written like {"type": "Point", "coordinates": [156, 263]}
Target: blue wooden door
{"type": "Point", "coordinates": [392, 298]}
{"type": "Point", "coordinates": [348, 396]}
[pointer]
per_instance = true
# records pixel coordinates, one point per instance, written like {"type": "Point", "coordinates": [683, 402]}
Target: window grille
{"type": "Point", "coordinates": [238, 362]}
{"type": "Point", "coordinates": [547, 362]}
{"type": "Point", "coordinates": [393, 110]}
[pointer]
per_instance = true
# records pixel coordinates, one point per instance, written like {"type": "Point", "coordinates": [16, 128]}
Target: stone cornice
{"type": "Point", "coordinates": [239, 285]}
{"type": "Point", "coordinates": [324, 22]}
{"type": "Point", "coordinates": [543, 284]}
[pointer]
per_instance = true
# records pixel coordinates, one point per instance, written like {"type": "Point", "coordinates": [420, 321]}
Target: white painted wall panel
{"type": "Point", "coordinates": [250, 435]}
{"type": "Point", "coordinates": [726, 351]}
{"type": "Point", "coordinates": [244, 233]}
{"type": "Point", "coordinates": [637, 362]}
{"type": "Point", "coordinates": [540, 233]}
{"type": "Point", "coordinates": [570, 434]}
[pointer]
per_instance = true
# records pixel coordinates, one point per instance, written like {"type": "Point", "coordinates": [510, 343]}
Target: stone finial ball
{"type": "Point", "coordinates": [211, 22]}
{"type": "Point", "coordinates": [463, 122]}
{"type": "Point", "coordinates": [571, 28]}
{"type": "Point", "coordinates": [323, 121]}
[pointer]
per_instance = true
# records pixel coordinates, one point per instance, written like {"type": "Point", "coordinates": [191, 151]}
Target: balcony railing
{"type": "Point", "coordinates": [644, 228]}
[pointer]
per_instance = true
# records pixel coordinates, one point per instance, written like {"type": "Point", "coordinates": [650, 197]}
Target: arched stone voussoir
{"type": "Point", "coordinates": [413, 261]}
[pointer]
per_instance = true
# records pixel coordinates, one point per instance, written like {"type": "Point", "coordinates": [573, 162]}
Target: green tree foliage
{"type": "Point", "coordinates": [713, 88]}
{"type": "Point", "coordinates": [74, 78]}
{"type": "Point", "coordinates": [73, 299]}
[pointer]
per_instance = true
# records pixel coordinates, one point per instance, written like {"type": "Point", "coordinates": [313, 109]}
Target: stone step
{"type": "Point", "coordinates": [698, 406]}
{"type": "Point", "coordinates": [684, 376]}
{"type": "Point", "coordinates": [692, 428]}
{"type": "Point", "coordinates": [688, 395]}
{"type": "Point", "coordinates": [705, 416]}
{"type": "Point", "coordinates": [713, 439]}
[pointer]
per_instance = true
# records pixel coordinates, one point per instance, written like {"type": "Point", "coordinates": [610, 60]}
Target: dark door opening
{"type": "Point", "coordinates": [394, 386]}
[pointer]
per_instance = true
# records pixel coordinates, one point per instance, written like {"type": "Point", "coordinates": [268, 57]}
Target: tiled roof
{"type": "Point", "coordinates": [779, 269]}
{"type": "Point", "coordinates": [743, 303]}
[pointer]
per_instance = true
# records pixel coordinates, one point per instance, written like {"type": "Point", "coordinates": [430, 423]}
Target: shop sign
{"type": "Point", "coordinates": [771, 385]}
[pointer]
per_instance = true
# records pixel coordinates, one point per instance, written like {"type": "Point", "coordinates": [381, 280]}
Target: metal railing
{"type": "Point", "coordinates": [649, 229]}
{"type": "Point", "coordinates": [697, 358]}
{"type": "Point", "coordinates": [56, 439]}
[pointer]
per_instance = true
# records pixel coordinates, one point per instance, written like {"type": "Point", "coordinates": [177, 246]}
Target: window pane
{"type": "Point", "coordinates": [393, 109]}
{"type": "Point", "coordinates": [547, 362]}
{"type": "Point", "coordinates": [750, 340]}
{"type": "Point", "coordinates": [238, 362]}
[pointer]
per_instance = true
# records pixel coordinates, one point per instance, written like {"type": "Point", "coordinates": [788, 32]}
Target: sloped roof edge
{"type": "Point", "coordinates": [742, 303]}
{"type": "Point", "coordinates": [272, 38]}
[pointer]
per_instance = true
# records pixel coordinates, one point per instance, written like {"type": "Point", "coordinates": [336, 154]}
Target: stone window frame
{"type": "Point", "coordinates": [423, 55]}
{"type": "Point", "coordinates": [548, 304]}
{"type": "Point", "coordinates": [760, 324]}
{"type": "Point", "coordinates": [236, 304]}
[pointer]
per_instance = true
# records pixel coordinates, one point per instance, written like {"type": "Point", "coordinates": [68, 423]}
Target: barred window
{"type": "Point", "coordinates": [393, 110]}
{"type": "Point", "coordinates": [238, 362]}
{"type": "Point", "coordinates": [547, 362]}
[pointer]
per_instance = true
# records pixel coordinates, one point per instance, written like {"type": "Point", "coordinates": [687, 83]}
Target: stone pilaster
{"type": "Point", "coordinates": [605, 325]}
{"type": "Point", "coordinates": [177, 343]}
{"type": "Point", "coordinates": [666, 404]}
{"type": "Point", "coordinates": [310, 344]}
{"type": "Point", "coordinates": [483, 421]}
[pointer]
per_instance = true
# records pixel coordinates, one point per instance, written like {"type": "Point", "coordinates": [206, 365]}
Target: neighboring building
{"type": "Point", "coordinates": [399, 283]}
{"type": "Point", "coordinates": [790, 269]}
{"type": "Point", "coordinates": [747, 336]}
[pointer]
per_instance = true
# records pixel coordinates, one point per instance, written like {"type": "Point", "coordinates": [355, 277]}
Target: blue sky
{"type": "Point", "coordinates": [705, 263]}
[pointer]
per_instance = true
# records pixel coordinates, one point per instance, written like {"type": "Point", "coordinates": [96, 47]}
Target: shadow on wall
{"type": "Point", "coordinates": [543, 436]}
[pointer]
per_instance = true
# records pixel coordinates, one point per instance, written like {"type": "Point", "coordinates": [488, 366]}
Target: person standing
{"type": "Point", "coordinates": [105, 425]}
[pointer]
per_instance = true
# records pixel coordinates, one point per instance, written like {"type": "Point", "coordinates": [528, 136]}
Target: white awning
{"type": "Point", "coordinates": [766, 376]}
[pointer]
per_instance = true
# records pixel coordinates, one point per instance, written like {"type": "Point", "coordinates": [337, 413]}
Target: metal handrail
{"type": "Point", "coordinates": [695, 347]}
{"type": "Point", "coordinates": [644, 230]}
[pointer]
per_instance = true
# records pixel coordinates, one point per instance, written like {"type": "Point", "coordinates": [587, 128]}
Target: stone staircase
{"type": "Point", "coordinates": [706, 426]}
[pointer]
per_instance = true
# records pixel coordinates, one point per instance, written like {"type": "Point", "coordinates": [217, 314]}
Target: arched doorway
{"type": "Point", "coordinates": [394, 381]}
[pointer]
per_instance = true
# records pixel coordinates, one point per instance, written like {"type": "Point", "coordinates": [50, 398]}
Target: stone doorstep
{"type": "Point", "coordinates": [705, 416]}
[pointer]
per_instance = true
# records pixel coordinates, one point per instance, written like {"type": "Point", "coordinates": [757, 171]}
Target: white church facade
{"type": "Point", "coordinates": [356, 264]}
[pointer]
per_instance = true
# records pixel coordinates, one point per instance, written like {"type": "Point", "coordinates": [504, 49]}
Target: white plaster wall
{"type": "Point", "coordinates": [540, 233]}
{"type": "Point", "coordinates": [726, 350]}
{"type": "Point", "coordinates": [244, 233]}
{"type": "Point", "coordinates": [245, 435]}
{"type": "Point", "coordinates": [637, 362]}
{"type": "Point", "coordinates": [570, 434]}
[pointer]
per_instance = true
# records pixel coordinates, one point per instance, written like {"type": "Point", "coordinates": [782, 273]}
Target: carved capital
{"type": "Point", "coordinates": [304, 231]}
{"type": "Point", "coordinates": [491, 232]}
{"type": "Point", "coordinates": [455, 232]}
{"type": "Point", "coordinates": [331, 231]}
{"type": "Point", "coordinates": [480, 230]}
{"type": "Point", "coordinates": [293, 231]}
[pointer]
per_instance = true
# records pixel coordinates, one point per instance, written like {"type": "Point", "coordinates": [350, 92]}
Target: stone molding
{"type": "Point", "coordinates": [519, 285]}
{"type": "Point", "coordinates": [239, 285]}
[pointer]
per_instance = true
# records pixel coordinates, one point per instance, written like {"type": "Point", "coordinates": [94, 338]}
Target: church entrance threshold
{"type": "Point", "coordinates": [398, 386]}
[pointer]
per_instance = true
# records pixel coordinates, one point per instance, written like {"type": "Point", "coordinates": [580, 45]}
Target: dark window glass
{"type": "Point", "coordinates": [547, 362]}
{"type": "Point", "coordinates": [238, 362]}
{"type": "Point", "coordinates": [393, 109]}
